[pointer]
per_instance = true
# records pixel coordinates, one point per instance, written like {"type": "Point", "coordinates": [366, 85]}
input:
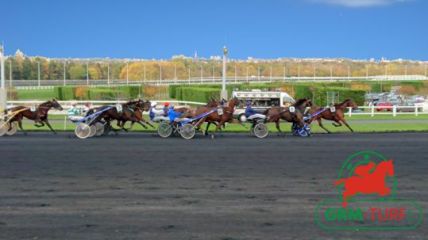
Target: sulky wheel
{"type": "Point", "coordinates": [99, 129]}
{"type": "Point", "coordinates": [165, 129]}
{"type": "Point", "coordinates": [93, 130]}
{"type": "Point", "coordinates": [82, 130]}
{"type": "Point", "coordinates": [13, 129]}
{"type": "Point", "coordinates": [187, 131]}
{"type": "Point", "coordinates": [261, 130]}
{"type": "Point", "coordinates": [3, 128]}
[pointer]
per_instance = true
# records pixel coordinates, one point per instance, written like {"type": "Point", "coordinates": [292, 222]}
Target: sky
{"type": "Point", "coordinates": [358, 29]}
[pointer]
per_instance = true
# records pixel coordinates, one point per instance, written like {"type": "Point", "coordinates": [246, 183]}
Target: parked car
{"type": "Point", "coordinates": [384, 106]}
{"type": "Point", "coordinates": [409, 107]}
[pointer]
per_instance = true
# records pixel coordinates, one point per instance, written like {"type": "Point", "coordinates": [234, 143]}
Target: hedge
{"type": "Point", "coordinates": [320, 95]}
{"type": "Point", "coordinates": [35, 94]}
{"type": "Point", "coordinates": [97, 93]}
{"type": "Point", "coordinates": [198, 94]}
{"type": "Point", "coordinates": [302, 91]}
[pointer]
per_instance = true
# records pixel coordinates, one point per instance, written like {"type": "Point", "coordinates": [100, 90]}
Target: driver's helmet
{"type": "Point", "coordinates": [248, 103]}
{"type": "Point", "coordinates": [153, 104]}
{"type": "Point", "coordinates": [166, 104]}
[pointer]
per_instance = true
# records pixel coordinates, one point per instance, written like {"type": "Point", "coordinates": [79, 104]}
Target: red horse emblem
{"type": "Point", "coordinates": [369, 179]}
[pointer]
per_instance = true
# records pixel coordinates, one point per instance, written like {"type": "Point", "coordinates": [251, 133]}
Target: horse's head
{"type": "Point", "coordinates": [350, 103]}
{"type": "Point", "coordinates": [212, 103]}
{"type": "Point", "coordinates": [56, 105]}
{"type": "Point", "coordinates": [144, 105]}
{"type": "Point", "coordinates": [233, 102]}
{"type": "Point", "coordinates": [303, 103]}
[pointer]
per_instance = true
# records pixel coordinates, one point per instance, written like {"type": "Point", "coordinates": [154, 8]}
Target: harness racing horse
{"type": "Point", "coordinates": [189, 113]}
{"type": "Point", "coordinates": [218, 119]}
{"type": "Point", "coordinates": [133, 111]}
{"type": "Point", "coordinates": [111, 113]}
{"type": "Point", "coordinates": [337, 115]}
{"type": "Point", "coordinates": [275, 114]}
{"type": "Point", "coordinates": [39, 116]}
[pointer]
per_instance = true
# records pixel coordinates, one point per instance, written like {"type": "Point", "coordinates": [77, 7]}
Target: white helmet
{"type": "Point", "coordinates": [153, 104]}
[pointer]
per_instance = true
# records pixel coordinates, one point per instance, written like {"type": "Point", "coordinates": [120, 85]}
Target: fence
{"type": "Point", "coordinates": [204, 80]}
{"type": "Point", "coordinates": [392, 111]}
{"type": "Point", "coordinates": [362, 110]}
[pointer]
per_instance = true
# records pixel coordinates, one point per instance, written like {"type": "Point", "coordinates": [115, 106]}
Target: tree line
{"type": "Point", "coordinates": [20, 67]}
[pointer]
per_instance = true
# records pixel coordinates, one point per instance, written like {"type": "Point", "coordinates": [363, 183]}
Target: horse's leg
{"type": "Point", "coordinates": [38, 123]}
{"type": "Point", "coordinates": [322, 125]}
{"type": "Point", "coordinates": [121, 125]}
{"type": "Point", "coordinates": [20, 126]}
{"type": "Point", "coordinates": [217, 128]}
{"type": "Point", "coordinates": [10, 125]}
{"type": "Point", "coordinates": [347, 125]}
{"type": "Point", "coordinates": [206, 129]}
{"type": "Point", "coordinates": [142, 120]}
{"type": "Point", "coordinates": [42, 124]}
{"type": "Point", "coordinates": [278, 127]}
{"type": "Point", "coordinates": [49, 126]}
{"type": "Point", "coordinates": [336, 122]}
{"type": "Point", "coordinates": [141, 123]}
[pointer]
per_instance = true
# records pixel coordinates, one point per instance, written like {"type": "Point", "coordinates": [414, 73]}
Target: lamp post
{"type": "Point", "coordinates": [223, 85]}
{"type": "Point", "coordinates": [3, 93]}
{"type": "Point", "coordinates": [284, 71]}
{"type": "Point", "coordinates": [10, 73]}
{"type": "Point", "coordinates": [144, 70]}
{"type": "Point", "coordinates": [38, 73]}
{"type": "Point", "coordinates": [160, 73]}
{"type": "Point", "coordinates": [127, 73]}
{"type": "Point", "coordinates": [108, 74]}
{"type": "Point", "coordinates": [367, 72]}
{"type": "Point", "coordinates": [189, 74]}
{"type": "Point", "coordinates": [65, 62]}
{"type": "Point", "coordinates": [236, 76]}
{"type": "Point", "coordinates": [87, 73]}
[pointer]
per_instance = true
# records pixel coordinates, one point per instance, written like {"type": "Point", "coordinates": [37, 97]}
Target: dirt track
{"type": "Point", "coordinates": [138, 186]}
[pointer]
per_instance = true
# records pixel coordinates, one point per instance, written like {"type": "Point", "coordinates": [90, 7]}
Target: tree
{"type": "Point", "coordinates": [77, 71]}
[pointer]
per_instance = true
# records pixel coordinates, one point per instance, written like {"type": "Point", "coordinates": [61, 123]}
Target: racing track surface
{"type": "Point", "coordinates": [138, 186]}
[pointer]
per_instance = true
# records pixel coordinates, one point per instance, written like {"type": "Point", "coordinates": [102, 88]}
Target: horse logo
{"type": "Point", "coordinates": [367, 199]}
{"type": "Point", "coordinates": [368, 178]}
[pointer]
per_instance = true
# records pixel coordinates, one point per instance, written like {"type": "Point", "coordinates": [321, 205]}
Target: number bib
{"type": "Point", "coordinates": [119, 107]}
{"type": "Point", "coordinates": [220, 111]}
{"type": "Point", "coordinates": [292, 109]}
{"type": "Point", "coordinates": [33, 108]}
{"type": "Point", "coordinates": [332, 109]}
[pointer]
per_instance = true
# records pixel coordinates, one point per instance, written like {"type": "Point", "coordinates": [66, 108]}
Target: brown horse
{"type": "Point", "coordinates": [39, 116]}
{"type": "Point", "coordinates": [187, 112]}
{"type": "Point", "coordinates": [111, 113]}
{"type": "Point", "coordinates": [275, 114]}
{"type": "Point", "coordinates": [338, 116]}
{"type": "Point", "coordinates": [218, 119]}
{"type": "Point", "coordinates": [134, 112]}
